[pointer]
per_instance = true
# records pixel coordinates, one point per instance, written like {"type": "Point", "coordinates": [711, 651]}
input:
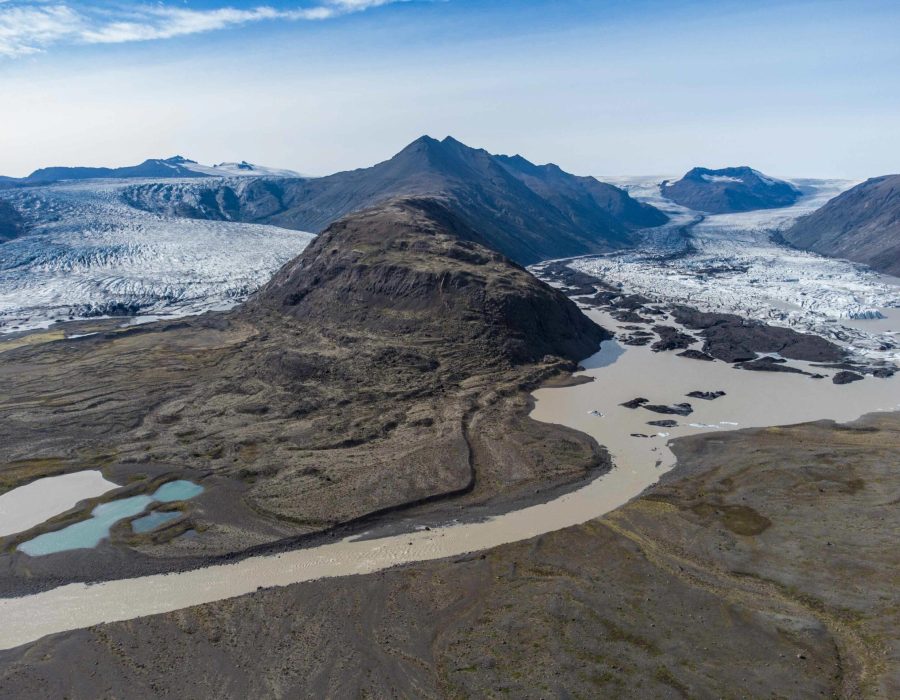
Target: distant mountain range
{"type": "Point", "coordinates": [528, 212]}
{"type": "Point", "coordinates": [729, 190]}
{"type": "Point", "coordinates": [861, 224]}
{"type": "Point", "coordinates": [175, 167]}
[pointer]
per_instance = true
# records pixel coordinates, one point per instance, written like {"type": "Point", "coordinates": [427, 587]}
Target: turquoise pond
{"type": "Point", "coordinates": [89, 533]}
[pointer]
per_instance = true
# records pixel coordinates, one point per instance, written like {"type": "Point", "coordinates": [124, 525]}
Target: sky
{"type": "Point", "coordinates": [615, 87]}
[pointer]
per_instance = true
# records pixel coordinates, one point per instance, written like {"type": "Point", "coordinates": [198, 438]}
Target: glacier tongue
{"type": "Point", "coordinates": [733, 263]}
{"type": "Point", "coordinates": [89, 254]}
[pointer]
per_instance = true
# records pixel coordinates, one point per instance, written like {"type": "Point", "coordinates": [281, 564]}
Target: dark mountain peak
{"type": "Point", "coordinates": [174, 160]}
{"type": "Point", "coordinates": [731, 189]}
{"type": "Point", "coordinates": [422, 144]}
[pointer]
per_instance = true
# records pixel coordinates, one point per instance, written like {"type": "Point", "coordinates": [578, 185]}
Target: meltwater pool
{"type": "Point", "coordinates": [89, 533]}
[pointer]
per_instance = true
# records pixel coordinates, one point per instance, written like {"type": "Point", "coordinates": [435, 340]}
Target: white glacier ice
{"type": "Point", "coordinates": [734, 263]}
{"type": "Point", "coordinates": [89, 254]}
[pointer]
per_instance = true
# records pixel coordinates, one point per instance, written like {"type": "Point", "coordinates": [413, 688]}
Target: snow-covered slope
{"type": "Point", "coordinates": [87, 253]}
{"type": "Point", "coordinates": [242, 169]}
{"type": "Point", "coordinates": [733, 263]}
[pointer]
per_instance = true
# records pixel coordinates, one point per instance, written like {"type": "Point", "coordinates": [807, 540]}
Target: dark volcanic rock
{"type": "Point", "coordinates": [769, 364]}
{"type": "Point", "coordinates": [575, 282]}
{"type": "Point", "coordinates": [638, 338]}
{"type": "Point", "coordinates": [729, 190]}
{"type": "Point", "coordinates": [671, 338]}
{"type": "Point", "coordinates": [734, 339]}
{"type": "Point", "coordinates": [696, 355]}
{"type": "Point", "coordinates": [527, 212]}
{"type": "Point", "coordinates": [845, 377]}
{"type": "Point", "coordinates": [882, 372]}
{"type": "Point", "coordinates": [635, 403]}
{"type": "Point", "coordinates": [861, 224]}
{"type": "Point", "coordinates": [678, 409]}
{"type": "Point", "coordinates": [706, 395]}
{"type": "Point", "coordinates": [665, 423]}
{"type": "Point", "coordinates": [629, 317]}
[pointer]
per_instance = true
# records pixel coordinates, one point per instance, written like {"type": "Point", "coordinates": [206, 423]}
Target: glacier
{"type": "Point", "coordinates": [89, 254]}
{"type": "Point", "coordinates": [735, 263]}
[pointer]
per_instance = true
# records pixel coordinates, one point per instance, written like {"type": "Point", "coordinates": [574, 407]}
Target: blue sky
{"type": "Point", "coordinates": [643, 87]}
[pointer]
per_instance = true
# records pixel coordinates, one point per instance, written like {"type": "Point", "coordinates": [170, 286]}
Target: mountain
{"type": "Point", "coordinates": [729, 190]}
{"type": "Point", "coordinates": [174, 167]}
{"type": "Point", "coordinates": [413, 267]}
{"type": "Point", "coordinates": [177, 166]}
{"type": "Point", "coordinates": [527, 212]}
{"type": "Point", "coordinates": [861, 224]}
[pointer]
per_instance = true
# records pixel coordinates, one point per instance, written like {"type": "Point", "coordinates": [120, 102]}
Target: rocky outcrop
{"type": "Point", "coordinates": [861, 224]}
{"type": "Point", "coordinates": [729, 190]}
{"type": "Point", "coordinates": [671, 338]}
{"type": "Point", "coordinates": [696, 355]}
{"type": "Point", "coordinates": [706, 395]}
{"type": "Point", "coordinates": [845, 377]}
{"type": "Point", "coordinates": [735, 339]}
{"type": "Point", "coordinates": [678, 409]}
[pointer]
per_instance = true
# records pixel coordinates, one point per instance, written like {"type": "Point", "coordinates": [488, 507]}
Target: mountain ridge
{"type": "Point", "coordinates": [165, 168]}
{"type": "Point", "coordinates": [527, 212]}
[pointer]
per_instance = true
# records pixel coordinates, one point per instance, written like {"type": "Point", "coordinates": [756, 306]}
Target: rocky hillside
{"type": "Point", "coordinates": [387, 366]}
{"type": "Point", "coordinates": [861, 224]}
{"type": "Point", "coordinates": [413, 267]}
{"type": "Point", "coordinates": [729, 190]}
{"type": "Point", "coordinates": [524, 211]}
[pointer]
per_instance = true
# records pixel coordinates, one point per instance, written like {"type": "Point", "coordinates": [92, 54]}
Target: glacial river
{"type": "Point", "coordinates": [620, 374]}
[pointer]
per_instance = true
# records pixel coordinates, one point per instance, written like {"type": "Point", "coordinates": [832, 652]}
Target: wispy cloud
{"type": "Point", "coordinates": [28, 27]}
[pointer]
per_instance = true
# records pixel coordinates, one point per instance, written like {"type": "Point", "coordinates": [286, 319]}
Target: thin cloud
{"type": "Point", "coordinates": [29, 27]}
